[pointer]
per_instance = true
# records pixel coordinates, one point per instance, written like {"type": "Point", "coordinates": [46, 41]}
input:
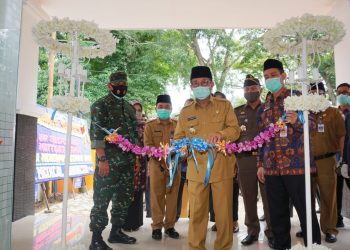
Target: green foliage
{"type": "Point", "coordinates": [154, 59]}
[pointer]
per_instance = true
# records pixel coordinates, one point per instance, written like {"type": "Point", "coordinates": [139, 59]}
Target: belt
{"type": "Point", "coordinates": [320, 157]}
{"type": "Point", "coordinates": [245, 154]}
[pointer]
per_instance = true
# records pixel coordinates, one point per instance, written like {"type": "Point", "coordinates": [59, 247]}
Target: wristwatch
{"type": "Point", "coordinates": [102, 158]}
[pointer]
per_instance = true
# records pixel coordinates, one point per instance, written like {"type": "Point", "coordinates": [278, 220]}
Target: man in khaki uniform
{"type": "Point", "coordinates": [163, 198]}
{"type": "Point", "coordinates": [247, 162]}
{"type": "Point", "coordinates": [327, 141]}
{"type": "Point", "coordinates": [214, 120]}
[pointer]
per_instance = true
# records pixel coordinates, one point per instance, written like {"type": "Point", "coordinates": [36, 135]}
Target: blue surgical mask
{"type": "Point", "coordinates": [201, 92]}
{"type": "Point", "coordinates": [163, 114]}
{"type": "Point", "coordinates": [273, 84]}
{"type": "Point", "coordinates": [343, 99]}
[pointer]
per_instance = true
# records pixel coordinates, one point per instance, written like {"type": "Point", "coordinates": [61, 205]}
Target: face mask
{"type": "Point", "coordinates": [342, 99]}
{"type": "Point", "coordinates": [274, 84]}
{"type": "Point", "coordinates": [252, 96]}
{"type": "Point", "coordinates": [120, 91]}
{"type": "Point", "coordinates": [201, 92]}
{"type": "Point", "coordinates": [163, 114]}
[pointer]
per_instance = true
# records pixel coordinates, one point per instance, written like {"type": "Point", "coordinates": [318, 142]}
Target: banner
{"type": "Point", "coordinates": [50, 147]}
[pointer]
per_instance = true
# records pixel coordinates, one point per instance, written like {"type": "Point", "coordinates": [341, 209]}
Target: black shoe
{"type": "Point", "coordinates": [97, 243]}
{"type": "Point", "coordinates": [249, 240]}
{"type": "Point", "coordinates": [272, 243]}
{"type": "Point", "coordinates": [157, 234]}
{"type": "Point", "coordinates": [299, 234]}
{"type": "Point", "coordinates": [213, 228]}
{"type": "Point", "coordinates": [262, 218]}
{"type": "Point", "coordinates": [331, 238]}
{"type": "Point", "coordinates": [171, 232]}
{"type": "Point", "coordinates": [340, 223]}
{"type": "Point", "coordinates": [117, 236]}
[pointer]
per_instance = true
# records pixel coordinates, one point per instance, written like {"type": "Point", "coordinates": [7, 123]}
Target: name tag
{"type": "Point", "coordinates": [320, 128]}
{"type": "Point", "coordinates": [284, 131]}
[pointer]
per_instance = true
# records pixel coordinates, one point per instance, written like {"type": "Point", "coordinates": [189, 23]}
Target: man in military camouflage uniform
{"type": "Point", "coordinates": [113, 178]}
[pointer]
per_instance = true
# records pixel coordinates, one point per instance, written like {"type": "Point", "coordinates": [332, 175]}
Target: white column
{"type": "Point", "coordinates": [28, 61]}
{"type": "Point", "coordinates": [341, 11]}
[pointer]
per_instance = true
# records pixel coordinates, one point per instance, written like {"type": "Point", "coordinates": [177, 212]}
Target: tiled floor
{"type": "Point", "coordinates": [43, 231]}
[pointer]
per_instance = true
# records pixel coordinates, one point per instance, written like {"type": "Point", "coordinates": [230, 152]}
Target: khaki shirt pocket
{"type": "Point", "coordinates": [217, 124]}
{"type": "Point", "coordinates": [157, 137]}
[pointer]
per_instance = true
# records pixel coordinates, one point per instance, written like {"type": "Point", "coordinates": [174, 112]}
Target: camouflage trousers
{"type": "Point", "coordinates": [117, 187]}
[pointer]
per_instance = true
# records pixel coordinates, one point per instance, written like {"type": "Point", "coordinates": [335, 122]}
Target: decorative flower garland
{"type": "Point", "coordinates": [104, 39]}
{"type": "Point", "coordinates": [71, 104]}
{"type": "Point", "coordinates": [196, 143]}
{"type": "Point", "coordinates": [322, 33]}
{"type": "Point", "coordinates": [311, 102]}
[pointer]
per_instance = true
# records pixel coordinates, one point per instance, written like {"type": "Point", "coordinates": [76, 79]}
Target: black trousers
{"type": "Point", "coordinates": [234, 202]}
{"type": "Point", "coordinates": [340, 186]}
{"type": "Point", "coordinates": [279, 190]}
{"type": "Point", "coordinates": [134, 220]}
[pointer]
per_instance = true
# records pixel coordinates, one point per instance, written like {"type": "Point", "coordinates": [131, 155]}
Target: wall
{"type": "Point", "coordinates": [23, 202]}
{"type": "Point", "coordinates": [10, 22]}
{"type": "Point", "coordinates": [28, 61]}
{"type": "Point", "coordinates": [341, 11]}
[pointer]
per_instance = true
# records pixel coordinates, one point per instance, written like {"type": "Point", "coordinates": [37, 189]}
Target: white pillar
{"type": "Point", "coordinates": [28, 61]}
{"type": "Point", "coordinates": [341, 11]}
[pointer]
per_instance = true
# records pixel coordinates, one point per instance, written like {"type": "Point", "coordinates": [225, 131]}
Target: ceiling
{"type": "Point", "coordinates": [158, 14]}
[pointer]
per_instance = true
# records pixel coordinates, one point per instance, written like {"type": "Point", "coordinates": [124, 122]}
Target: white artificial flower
{"type": "Point", "coordinates": [313, 247]}
{"type": "Point", "coordinates": [322, 33]}
{"type": "Point", "coordinates": [70, 104]}
{"type": "Point", "coordinates": [105, 42]}
{"type": "Point", "coordinates": [311, 102]}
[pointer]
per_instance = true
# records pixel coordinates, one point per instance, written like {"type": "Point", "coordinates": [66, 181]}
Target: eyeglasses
{"type": "Point", "coordinates": [203, 83]}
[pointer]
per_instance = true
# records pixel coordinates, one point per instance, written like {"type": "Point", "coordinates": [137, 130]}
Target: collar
{"type": "Point", "coordinates": [169, 121]}
{"type": "Point", "coordinates": [211, 100]}
{"type": "Point", "coordinates": [248, 106]}
{"type": "Point", "coordinates": [116, 97]}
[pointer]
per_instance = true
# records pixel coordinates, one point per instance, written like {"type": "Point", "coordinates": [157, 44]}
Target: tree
{"type": "Point", "coordinates": [227, 52]}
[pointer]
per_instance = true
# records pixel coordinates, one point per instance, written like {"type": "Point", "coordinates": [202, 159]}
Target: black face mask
{"type": "Point", "coordinates": [252, 96]}
{"type": "Point", "coordinates": [119, 91]}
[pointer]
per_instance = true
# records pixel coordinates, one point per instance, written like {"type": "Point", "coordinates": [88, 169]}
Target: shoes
{"type": "Point", "coordinates": [97, 243]}
{"type": "Point", "coordinates": [262, 218]}
{"type": "Point", "coordinates": [331, 238]}
{"type": "Point", "coordinates": [340, 223]}
{"type": "Point", "coordinates": [157, 234]}
{"type": "Point", "coordinates": [318, 211]}
{"type": "Point", "coordinates": [271, 242]}
{"type": "Point", "coordinates": [213, 228]}
{"type": "Point", "coordinates": [235, 227]}
{"type": "Point", "coordinates": [171, 232]}
{"type": "Point", "coordinates": [117, 236]}
{"type": "Point", "coordinates": [249, 240]}
{"type": "Point", "coordinates": [299, 234]}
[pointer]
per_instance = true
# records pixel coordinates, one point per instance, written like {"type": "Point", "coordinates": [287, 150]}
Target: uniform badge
{"type": "Point", "coordinates": [246, 120]}
{"type": "Point", "coordinates": [192, 130]}
{"type": "Point", "coordinates": [243, 128]}
{"type": "Point", "coordinates": [320, 128]}
{"type": "Point", "coordinates": [284, 131]}
{"type": "Point", "coordinates": [190, 118]}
